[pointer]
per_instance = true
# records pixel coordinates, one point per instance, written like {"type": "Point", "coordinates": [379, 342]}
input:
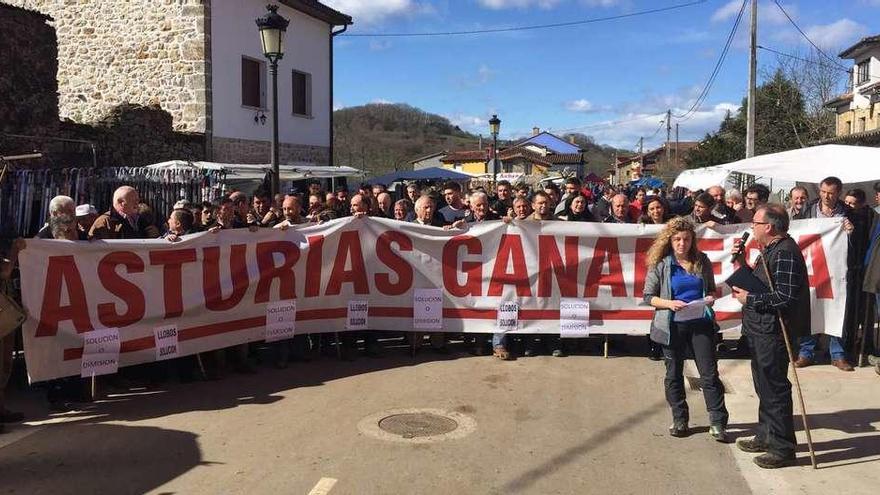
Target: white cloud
{"type": "Point", "coordinates": [469, 123]}
{"type": "Point", "coordinates": [338, 105]}
{"type": "Point", "coordinates": [374, 11]}
{"type": "Point", "coordinates": [485, 74]}
{"type": "Point", "coordinates": [382, 101]}
{"type": "Point", "coordinates": [581, 106]}
{"type": "Point", "coordinates": [768, 13]}
{"type": "Point", "coordinates": [379, 45]}
{"type": "Point", "coordinates": [646, 119]}
{"type": "Point", "coordinates": [727, 11]}
{"type": "Point", "coordinates": [519, 4]}
{"type": "Point", "coordinates": [836, 34]}
{"type": "Point", "coordinates": [603, 3]}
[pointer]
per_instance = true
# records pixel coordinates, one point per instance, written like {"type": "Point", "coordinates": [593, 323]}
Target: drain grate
{"type": "Point", "coordinates": [414, 425]}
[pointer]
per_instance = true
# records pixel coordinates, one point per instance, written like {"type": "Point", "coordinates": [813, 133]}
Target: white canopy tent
{"type": "Point", "coordinates": [851, 164]}
{"type": "Point", "coordinates": [244, 171]}
{"type": "Point", "coordinates": [245, 176]}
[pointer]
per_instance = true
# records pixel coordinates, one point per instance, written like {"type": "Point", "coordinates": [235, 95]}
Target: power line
{"type": "Point", "coordinates": [816, 62]}
{"type": "Point", "coordinates": [708, 86]}
{"type": "Point", "coordinates": [532, 27]}
{"type": "Point", "coordinates": [833, 61]}
{"type": "Point", "coordinates": [605, 124]}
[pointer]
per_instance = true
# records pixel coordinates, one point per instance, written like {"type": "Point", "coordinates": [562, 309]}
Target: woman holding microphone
{"type": "Point", "coordinates": [679, 285]}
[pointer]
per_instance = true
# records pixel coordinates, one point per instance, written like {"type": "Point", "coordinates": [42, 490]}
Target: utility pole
{"type": "Point", "coordinates": [668, 138]}
{"type": "Point", "coordinates": [676, 145]}
{"type": "Point", "coordinates": [641, 156]}
{"type": "Point", "coordinates": [753, 67]}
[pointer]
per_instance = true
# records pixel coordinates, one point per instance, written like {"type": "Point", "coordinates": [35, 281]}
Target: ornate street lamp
{"type": "Point", "coordinates": [272, 28]}
{"type": "Point", "coordinates": [494, 127]}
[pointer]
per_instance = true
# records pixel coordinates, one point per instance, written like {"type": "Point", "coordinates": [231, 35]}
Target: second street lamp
{"type": "Point", "coordinates": [272, 28]}
{"type": "Point", "coordinates": [494, 127]}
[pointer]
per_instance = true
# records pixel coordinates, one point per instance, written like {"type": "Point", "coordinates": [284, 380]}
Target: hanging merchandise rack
{"type": "Point", "coordinates": [25, 193]}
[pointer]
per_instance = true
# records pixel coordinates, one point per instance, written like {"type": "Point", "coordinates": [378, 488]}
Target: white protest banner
{"type": "Point", "coordinates": [280, 320]}
{"type": "Point", "coordinates": [166, 342]}
{"type": "Point", "coordinates": [574, 317]}
{"type": "Point", "coordinates": [508, 317]}
{"type": "Point", "coordinates": [428, 309]}
{"type": "Point", "coordinates": [358, 315]}
{"type": "Point", "coordinates": [216, 287]}
{"type": "Point", "coordinates": [100, 352]}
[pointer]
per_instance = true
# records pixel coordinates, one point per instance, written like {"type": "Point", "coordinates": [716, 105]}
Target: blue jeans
{"type": "Point", "coordinates": [499, 339]}
{"type": "Point", "coordinates": [835, 347]}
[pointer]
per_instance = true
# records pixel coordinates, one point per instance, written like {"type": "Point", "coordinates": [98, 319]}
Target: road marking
{"type": "Point", "coordinates": [323, 487]}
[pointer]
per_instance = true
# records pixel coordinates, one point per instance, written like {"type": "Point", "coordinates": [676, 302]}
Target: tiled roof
{"type": "Point", "coordinates": [465, 156]}
{"type": "Point", "coordinates": [320, 11]}
{"type": "Point", "coordinates": [873, 135]}
{"type": "Point", "coordinates": [839, 99]}
{"type": "Point", "coordinates": [868, 40]}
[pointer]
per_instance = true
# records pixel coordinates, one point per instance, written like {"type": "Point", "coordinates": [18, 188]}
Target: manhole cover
{"type": "Point", "coordinates": [423, 425]}
{"type": "Point", "coordinates": [417, 425]}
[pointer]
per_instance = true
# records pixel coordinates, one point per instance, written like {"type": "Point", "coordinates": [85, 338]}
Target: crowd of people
{"type": "Point", "coordinates": [450, 206]}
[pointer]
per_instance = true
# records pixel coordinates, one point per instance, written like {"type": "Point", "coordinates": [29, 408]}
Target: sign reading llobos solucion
{"type": "Point", "coordinates": [358, 315]}
{"type": "Point", "coordinates": [166, 338]}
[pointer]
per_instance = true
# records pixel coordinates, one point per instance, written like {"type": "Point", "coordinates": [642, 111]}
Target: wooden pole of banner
{"type": "Point", "coordinates": [606, 347]}
{"type": "Point", "coordinates": [338, 345]}
{"type": "Point", "coordinates": [797, 381]}
{"type": "Point", "coordinates": [94, 388]}
{"type": "Point", "coordinates": [201, 365]}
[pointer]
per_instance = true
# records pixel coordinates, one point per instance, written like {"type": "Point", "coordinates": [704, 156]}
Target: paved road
{"type": "Point", "coordinates": [544, 425]}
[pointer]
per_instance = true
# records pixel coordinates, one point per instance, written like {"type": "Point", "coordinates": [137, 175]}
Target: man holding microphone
{"type": "Point", "coordinates": [781, 268]}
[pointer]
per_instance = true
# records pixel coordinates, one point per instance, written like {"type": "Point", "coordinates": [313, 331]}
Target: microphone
{"type": "Point", "coordinates": [740, 255]}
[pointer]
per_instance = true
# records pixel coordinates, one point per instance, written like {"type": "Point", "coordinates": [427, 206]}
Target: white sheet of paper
{"type": "Point", "coordinates": [100, 352]}
{"type": "Point", "coordinates": [280, 320]}
{"type": "Point", "coordinates": [574, 317]}
{"type": "Point", "coordinates": [508, 317]}
{"type": "Point", "coordinates": [428, 309]}
{"type": "Point", "coordinates": [693, 311]}
{"type": "Point", "coordinates": [166, 342]}
{"type": "Point", "coordinates": [357, 315]}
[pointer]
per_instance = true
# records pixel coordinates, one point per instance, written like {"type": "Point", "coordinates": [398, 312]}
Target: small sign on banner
{"type": "Point", "coordinates": [166, 342]}
{"type": "Point", "coordinates": [574, 317]}
{"type": "Point", "coordinates": [357, 315]}
{"type": "Point", "coordinates": [280, 320]}
{"type": "Point", "coordinates": [508, 317]}
{"type": "Point", "coordinates": [100, 352]}
{"type": "Point", "coordinates": [428, 309]}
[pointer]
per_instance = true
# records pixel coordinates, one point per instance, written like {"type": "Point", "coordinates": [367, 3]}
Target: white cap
{"type": "Point", "coordinates": [84, 210]}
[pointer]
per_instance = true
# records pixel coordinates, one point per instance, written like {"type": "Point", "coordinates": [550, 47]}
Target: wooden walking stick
{"type": "Point", "coordinates": [797, 382]}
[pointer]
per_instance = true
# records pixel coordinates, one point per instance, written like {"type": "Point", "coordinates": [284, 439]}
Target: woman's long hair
{"type": "Point", "coordinates": [667, 214]}
{"type": "Point", "coordinates": [662, 246]}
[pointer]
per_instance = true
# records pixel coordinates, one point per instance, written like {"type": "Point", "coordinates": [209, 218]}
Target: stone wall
{"type": "Point", "coordinates": [113, 52]}
{"type": "Point", "coordinates": [228, 150]}
{"type": "Point", "coordinates": [27, 71]}
{"type": "Point", "coordinates": [130, 136]}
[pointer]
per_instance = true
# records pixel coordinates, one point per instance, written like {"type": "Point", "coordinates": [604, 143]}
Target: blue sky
{"type": "Point", "coordinates": [584, 79]}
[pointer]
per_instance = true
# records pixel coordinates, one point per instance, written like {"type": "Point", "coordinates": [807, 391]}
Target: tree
{"type": "Point", "coordinates": [780, 125]}
{"type": "Point", "coordinates": [819, 80]}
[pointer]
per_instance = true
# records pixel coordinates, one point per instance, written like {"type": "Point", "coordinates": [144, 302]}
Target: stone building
{"type": "Point", "coordinates": [201, 61]}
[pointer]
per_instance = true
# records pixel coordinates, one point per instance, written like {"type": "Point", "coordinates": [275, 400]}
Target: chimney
{"type": "Point", "coordinates": [571, 139]}
{"type": "Point", "coordinates": [536, 131]}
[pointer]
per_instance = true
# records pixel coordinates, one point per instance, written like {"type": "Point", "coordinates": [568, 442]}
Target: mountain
{"type": "Point", "coordinates": [381, 138]}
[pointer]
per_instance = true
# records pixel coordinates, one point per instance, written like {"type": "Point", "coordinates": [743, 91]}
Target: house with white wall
{"type": "Point", "coordinates": [202, 62]}
{"type": "Point", "coordinates": [857, 109]}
